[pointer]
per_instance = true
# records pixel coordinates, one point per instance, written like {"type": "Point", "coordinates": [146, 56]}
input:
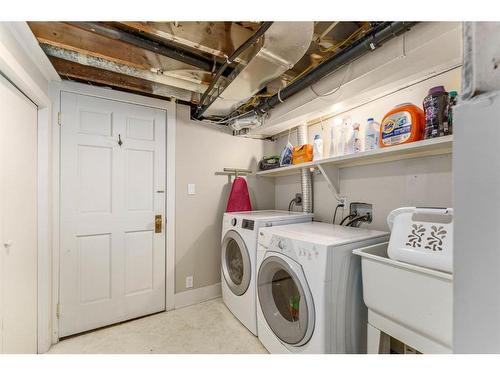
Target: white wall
{"type": "Point", "coordinates": [23, 62]}
{"type": "Point", "coordinates": [202, 150]}
{"type": "Point", "coordinates": [413, 182]}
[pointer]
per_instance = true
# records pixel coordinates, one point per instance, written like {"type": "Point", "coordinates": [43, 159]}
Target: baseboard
{"type": "Point", "coordinates": [194, 296]}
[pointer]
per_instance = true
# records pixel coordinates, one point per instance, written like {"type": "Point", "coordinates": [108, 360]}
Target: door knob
{"type": "Point", "coordinates": [158, 223]}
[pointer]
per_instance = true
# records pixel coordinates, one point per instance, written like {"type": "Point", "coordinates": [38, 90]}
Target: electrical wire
{"type": "Point", "coordinates": [291, 204]}
{"type": "Point", "coordinates": [347, 40]}
{"type": "Point", "coordinates": [347, 218]}
{"type": "Point", "coordinates": [335, 214]}
{"type": "Point", "coordinates": [348, 69]}
{"type": "Point", "coordinates": [360, 218]}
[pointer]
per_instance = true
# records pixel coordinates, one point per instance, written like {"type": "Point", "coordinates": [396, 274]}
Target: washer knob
{"type": "Point", "coordinates": [234, 221]}
{"type": "Point", "coordinates": [281, 245]}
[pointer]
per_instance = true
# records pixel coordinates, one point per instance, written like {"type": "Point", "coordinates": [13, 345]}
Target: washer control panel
{"type": "Point", "coordinates": [294, 249]}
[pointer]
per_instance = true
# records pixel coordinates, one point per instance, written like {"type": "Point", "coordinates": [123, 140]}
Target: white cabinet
{"type": "Point", "coordinates": [18, 223]}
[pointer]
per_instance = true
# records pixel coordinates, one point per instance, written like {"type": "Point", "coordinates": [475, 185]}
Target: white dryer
{"type": "Point", "coordinates": [309, 288]}
{"type": "Point", "coordinates": [239, 258]}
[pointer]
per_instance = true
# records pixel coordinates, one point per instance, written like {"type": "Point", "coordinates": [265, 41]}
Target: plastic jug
{"type": "Point", "coordinates": [317, 147]}
{"type": "Point", "coordinates": [403, 124]}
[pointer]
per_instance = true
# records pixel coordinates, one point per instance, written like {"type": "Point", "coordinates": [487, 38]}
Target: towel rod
{"type": "Point", "coordinates": [234, 171]}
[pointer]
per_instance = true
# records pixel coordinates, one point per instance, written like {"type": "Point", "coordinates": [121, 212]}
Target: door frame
{"type": "Point", "coordinates": [104, 93]}
{"type": "Point", "coordinates": [25, 64]}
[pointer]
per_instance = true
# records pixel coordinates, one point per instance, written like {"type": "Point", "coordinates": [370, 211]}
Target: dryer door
{"type": "Point", "coordinates": [235, 263]}
{"type": "Point", "coordinates": [285, 299]}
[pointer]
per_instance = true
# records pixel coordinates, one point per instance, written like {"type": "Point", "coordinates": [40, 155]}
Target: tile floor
{"type": "Point", "coordinates": [208, 327]}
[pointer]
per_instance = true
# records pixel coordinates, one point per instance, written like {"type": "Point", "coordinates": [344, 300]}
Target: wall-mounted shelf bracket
{"type": "Point", "coordinates": [331, 174]}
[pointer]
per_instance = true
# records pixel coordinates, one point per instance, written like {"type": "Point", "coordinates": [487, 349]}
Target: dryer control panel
{"type": "Point", "coordinates": [248, 224]}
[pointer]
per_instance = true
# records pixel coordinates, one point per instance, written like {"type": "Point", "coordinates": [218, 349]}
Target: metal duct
{"type": "Point", "coordinates": [305, 174]}
{"type": "Point", "coordinates": [284, 45]}
{"type": "Point", "coordinates": [382, 33]}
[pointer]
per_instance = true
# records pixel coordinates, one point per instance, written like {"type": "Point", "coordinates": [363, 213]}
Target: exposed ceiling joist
{"type": "Point", "coordinates": [101, 63]}
{"type": "Point", "coordinates": [72, 70]}
{"type": "Point", "coordinates": [220, 39]}
{"type": "Point", "coordinates": [72, 38]}
{"type": "Point", "coordinates": [149, 53]}
{"type": "Point", "coordinates": [113, 33]}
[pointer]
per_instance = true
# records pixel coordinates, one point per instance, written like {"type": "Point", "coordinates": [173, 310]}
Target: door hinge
{"type": "Point", "coordinates": [59, 118]}
{"type": "Point", "coordinates": [58, 310]}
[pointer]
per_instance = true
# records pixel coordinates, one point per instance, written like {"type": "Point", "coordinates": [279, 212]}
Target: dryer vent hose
{"type": "Point", "coordinates": [305, 174]}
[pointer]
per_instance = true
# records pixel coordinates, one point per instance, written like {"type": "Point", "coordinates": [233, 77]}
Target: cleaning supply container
{"type": "Point", "coordinates": [372, 134]}
{"type": "Point", "coordinates": [403, 124]}
{"type": "Point", "coordinates": [410, 303]}
{"type": "Point", "coordinates": [302, 154]}
{"type": "Point", "coordinates": [422, 236]}
{"type": "Point", "coordinates": [436, 113]}
{"type": "Point", "coordinates": [317, 147]}
{"type": "Point", "coordinates": [356, 135]}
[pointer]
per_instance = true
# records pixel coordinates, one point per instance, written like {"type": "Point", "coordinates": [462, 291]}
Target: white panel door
{"type": "Point", "coordinates": [18, 224]}
{"type": "Point", "coordinates": [112, 263]}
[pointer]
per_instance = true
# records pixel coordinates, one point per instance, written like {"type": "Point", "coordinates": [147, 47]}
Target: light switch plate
{"type": "Point", "coordinates": [191, 189]}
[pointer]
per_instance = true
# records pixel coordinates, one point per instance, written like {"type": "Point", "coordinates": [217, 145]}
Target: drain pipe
{"type": "Point", "coordinates": [305, 174]}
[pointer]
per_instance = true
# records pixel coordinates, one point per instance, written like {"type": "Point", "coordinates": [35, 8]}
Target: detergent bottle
{"type": "Point", "coordinates": [403, 124]}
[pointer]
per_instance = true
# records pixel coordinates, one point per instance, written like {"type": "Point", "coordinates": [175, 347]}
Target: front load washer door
{"type": "Point", "coordinates": [235, 263]}
{"type": "Point", "coordinates": [285, 299]}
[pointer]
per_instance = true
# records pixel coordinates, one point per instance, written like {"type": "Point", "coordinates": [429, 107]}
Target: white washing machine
{"type": "Point", "coordinates": [309, 288]}
{"type": "Point", "coordinates": [239, 258]}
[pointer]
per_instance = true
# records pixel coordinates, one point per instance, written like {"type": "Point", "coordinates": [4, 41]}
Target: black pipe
{"type": "Point", "coordinates": [381, 34]}
{"type": "Point", "coordinates": [250, 41]}
{"type": "Point", "coordinates": [176, 53]}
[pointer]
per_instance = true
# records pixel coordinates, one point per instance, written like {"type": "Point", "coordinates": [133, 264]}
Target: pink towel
{"type": "Point", "coordinates": [239, 199]}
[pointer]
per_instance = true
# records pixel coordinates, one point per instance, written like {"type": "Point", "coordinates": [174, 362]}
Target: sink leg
{"type": "Point", "coordinates": [377, 341]}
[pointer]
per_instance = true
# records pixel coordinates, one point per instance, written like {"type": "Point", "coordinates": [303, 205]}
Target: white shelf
{"type": "Point", "coordinates": [428, 147]}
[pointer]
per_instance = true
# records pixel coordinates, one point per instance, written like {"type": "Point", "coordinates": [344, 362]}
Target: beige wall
{"type": "Point", "coordinates": [412, 182]}
{"type": "Point", "coordinates": [202, 150]}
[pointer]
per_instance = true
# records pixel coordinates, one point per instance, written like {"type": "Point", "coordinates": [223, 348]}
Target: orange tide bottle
{"type": "Point", "coordinates": [405, 123]}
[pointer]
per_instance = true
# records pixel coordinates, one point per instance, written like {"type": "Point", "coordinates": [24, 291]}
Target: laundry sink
{"type": "Point", "coordinates": [410, 303]}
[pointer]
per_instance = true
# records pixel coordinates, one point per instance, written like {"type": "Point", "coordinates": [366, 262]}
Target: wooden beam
{"type": "Point", "coordinates": [178, 53]}
{"type": "Point", "coordinates": [75, 39]}
{"type": "Point", "coordinates": [217, 38]}
{"type": "Point", "coordinates": [100, 63]}
{"type": "Point", "coordinates": [68, 69]}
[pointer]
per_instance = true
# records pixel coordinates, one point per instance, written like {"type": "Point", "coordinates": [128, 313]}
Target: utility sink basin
{"type": "Point", "coordinates": [410, 303]}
